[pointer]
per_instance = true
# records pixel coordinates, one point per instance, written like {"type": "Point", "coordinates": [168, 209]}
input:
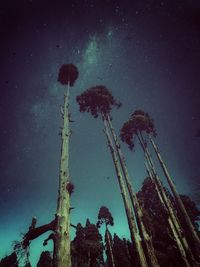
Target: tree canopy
{"type": "Point", "coordinates": [68, 73]}
{"type": "Point", "coordinates": [105, 216]}
{"type": "Point", "coordinates": [97, 100]}
{"type": "Point", "coordinates": [139, 122]}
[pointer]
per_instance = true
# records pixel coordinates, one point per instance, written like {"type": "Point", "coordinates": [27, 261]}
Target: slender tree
{"type": "Point", "coordinates": [105, 217]}
{"type": "Point", "coordinates": [98, 101]}
{"type": "Point", "coordinates": [191, 230]}
{"type": "Point", "coordinates": [67, 76]}
{"type": "Point", "coordinates": [60, 226]}
{"type": "Point", "coordinates": [147, 240]}
{"type": "Point", "coordinates": [139, 123]}
{"type": "Point", "coordinates": [87, 246]}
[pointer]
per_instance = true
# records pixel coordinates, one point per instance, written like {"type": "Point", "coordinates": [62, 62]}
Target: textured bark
{"type": "Point", "coordinates": [130, 216]}
{"type": "Point", "coordinates": [62, 257]}
{"type": "Point", "coordinates": [110, 247]}
{"type": "Point", "coordinates": [174, 224]}
{"type": "Point", "coordinates": [179, 202]}
{"type": "Point", "coordinates": [153, 262]}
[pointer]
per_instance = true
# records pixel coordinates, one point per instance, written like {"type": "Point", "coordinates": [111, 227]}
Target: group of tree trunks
{"type": "Point", "coordinates": [163, 226]}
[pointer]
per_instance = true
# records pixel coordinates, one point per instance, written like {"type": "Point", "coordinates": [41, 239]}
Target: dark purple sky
{"type": "Point", "coordinates": [146, 52]}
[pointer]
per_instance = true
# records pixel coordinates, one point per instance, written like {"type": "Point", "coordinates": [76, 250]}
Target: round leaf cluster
{"type": "Point", "coordinates": [68, 74]}
{"type": "Point", "coordinates": [97, 100]}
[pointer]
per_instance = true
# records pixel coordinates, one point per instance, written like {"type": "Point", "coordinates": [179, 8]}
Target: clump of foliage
{"type": "Point", "coordinates": [121, 252]}
{"type": "Point", "coordinates": [68, 74]}
{"type": "Point", "coordinates": [87, 247]}
{"type": "Point", "coordinates": [104, 216]}
{"type": "Point", "coordinates": [139, 122]}
{"type": "Point", "coordinates": [97, 100]}
{"type": "Point", "coordinates": [156, 220]}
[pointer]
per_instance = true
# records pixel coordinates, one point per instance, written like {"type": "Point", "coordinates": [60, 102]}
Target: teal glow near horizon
{"type": "Point", "coordinates": [125, 47]}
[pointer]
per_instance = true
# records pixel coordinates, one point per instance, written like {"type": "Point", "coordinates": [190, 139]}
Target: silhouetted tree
{"type": "Point", "coordinates": [79, 252]}
{"type": "Point", "coordinates": [156, 218]}
{"type": "Point", "coordinates": [157, 223]}
{"type": "Point", "coordinates": [120, 253]}
{"type": "Point", "coordinates": [9, 261]}
{"type": "Point", "coordinates": [87, 246]}
{"type": "Point", "coordinates": [98, 101]}
{"type": "Point", "coordinates": [179, 203]}
{"type": "Point", "coordinates": [93, 244]}
{"type": "Point", "coordinates": [105, 217]}
{"type": "Point", "coordinates": [45, 259]}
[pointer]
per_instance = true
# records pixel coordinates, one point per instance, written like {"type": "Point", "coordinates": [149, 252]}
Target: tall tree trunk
{"type": "Point", "coordinates": [179, 202]}
{"type": "Point", "coordinates": [173, 220]}
{"type": "Point", "coordinates": [110, 247]}
{"type": "Point", "coordinates": [62, 257]}
{"type": "Point", "coordinates": [129, 213]}
{"type": "Point", "coordinates": [153, 262]}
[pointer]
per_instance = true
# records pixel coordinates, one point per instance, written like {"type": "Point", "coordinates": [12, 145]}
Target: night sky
{"type": "Point", "coordinates": [147, 53]}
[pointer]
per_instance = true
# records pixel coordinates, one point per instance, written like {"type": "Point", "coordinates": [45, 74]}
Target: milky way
{"type": "Point", "coordinates": [146, 53]}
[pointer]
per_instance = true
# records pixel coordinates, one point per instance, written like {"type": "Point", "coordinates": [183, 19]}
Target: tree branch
{"type": "Point", "coordinates": [51, 236]}
{"type": "Point", "coordinates": [33, 233]}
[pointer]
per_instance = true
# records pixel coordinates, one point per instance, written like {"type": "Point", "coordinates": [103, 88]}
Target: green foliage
{"type": "Point", "coordinates": [97, 100]}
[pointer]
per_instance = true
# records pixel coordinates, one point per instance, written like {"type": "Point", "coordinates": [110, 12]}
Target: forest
{"type": "Point", "coordinates": [163, 224]}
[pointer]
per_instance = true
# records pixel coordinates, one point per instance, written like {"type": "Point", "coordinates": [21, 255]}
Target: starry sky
{"type": "Point", "coordinates": [146, 52]}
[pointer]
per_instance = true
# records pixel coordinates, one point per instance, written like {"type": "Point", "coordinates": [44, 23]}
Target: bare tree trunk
{"type": "Point", "coordinates": [136, 206]}
{"type": "Point", "coordinates": [179, 202]}
{"type": "Point", "coordinates": [130, 216]}
{"type": "Point", "coordinates": [110, 247]}
{"type": "Point", "coordinates": [173, 220]}
{"type": "Point", "coordinates": [62, 257]}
